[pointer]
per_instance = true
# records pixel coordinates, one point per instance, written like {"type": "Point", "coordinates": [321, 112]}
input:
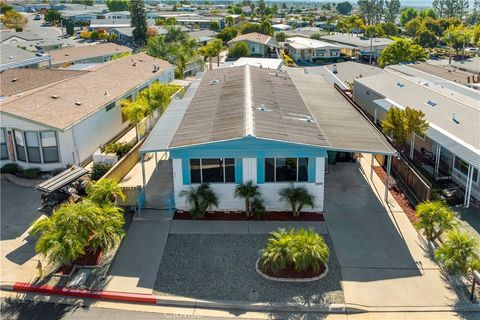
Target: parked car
{"type": "Point", "coordinates": [37, 17]}
{"type": "Point", "coordinates": [471, 50]}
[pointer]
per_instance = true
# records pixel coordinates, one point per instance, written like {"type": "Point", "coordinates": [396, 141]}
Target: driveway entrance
{"type": "Point", "coordinates": [381, 255]}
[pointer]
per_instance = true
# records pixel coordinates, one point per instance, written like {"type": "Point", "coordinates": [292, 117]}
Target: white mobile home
{"type": "Point", "coordinates": [64, 122]}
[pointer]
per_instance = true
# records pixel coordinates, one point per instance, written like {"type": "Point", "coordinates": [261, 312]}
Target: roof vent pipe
{"type": "Point", "coordinates": [454, 117]}
{"type": "Point", "coordinates": [334, 68]}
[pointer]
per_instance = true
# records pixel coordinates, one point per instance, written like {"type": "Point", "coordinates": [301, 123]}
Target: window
{"type": "Point", "coordinates": [33, 147]}
{"type": "Point", "coordinates": [49, 146]}
{"type": "Point", "coordinates": [462, 166]}
{"type": "Point", "coordinates": [286, 169]}
{"type": "Point", "coordinates": [221, 170]}
{"type": "Point", "coordinates": [20, 146]}
{"type": "Point", "coordinates": [3, 144]}
{"type": "Point", "coordinates": [110, 106]}
{"type": "Point", "coordinates": [320, 53]}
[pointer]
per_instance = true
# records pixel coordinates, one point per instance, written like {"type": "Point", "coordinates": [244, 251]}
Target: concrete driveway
{"type": "Point", "coordinates": [381, 255]}
{"type": "Point", "coordinates": [18, 211]}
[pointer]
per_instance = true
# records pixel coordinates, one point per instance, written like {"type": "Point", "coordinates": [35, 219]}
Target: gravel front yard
{"type": "Point", "coordinates": [222, 267]}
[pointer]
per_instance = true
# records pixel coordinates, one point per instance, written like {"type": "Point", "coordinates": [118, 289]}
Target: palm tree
{"type": "Point", "coordinates": [199, 199]}
{"type": "Point", "coordinates": [175, 34]}
{"type": "Point", "coordinates": [434, 218]}
{"type": "Point", "coordinates": [247, 191]}
{"type": "Point", "coordinates": [458, 254]}
{"type": "Point", "coordinates": [105, 191]}
{"type": "Point", "coordinates": [297, 198]}
{"type": "Point", "coordinates": [75, 228]}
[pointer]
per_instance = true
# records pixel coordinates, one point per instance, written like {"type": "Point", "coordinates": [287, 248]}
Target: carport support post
{"type": "Point", "coordinates": [156, 163]}
{"type": "Point", "coordinates": [372, 159]}
{"type": "Point", "coordinates": [387, 182]}
{"type": "Point", "coordinates": [468, 186]}
{"type": "Point", "coordinates": [144, 179]}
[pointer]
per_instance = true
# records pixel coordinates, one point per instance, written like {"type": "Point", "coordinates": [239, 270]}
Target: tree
{"type": "Point", "coordinates": [426, 38]}
{"type": "Point", "coordinates": [401, 51]}
{"type": "Point", "coordinates": [52, 16]}
{"type": "Point", "coordinates": [70, 27]}
{"type": "Point", "coordinates": [407, 15]}
{"type": "Point", "coordinates": [229, 21]}
{"type": "Point", "coordinates": [105, 191]}
{"type": "Point", "coordinates": [239, 49]}
{"type": "Point", "coordinates": [266, 28]}
{"type": "Point", "coordinates": [413, 26]}
{"type": "Point", "coordinates": [434, 218]}
{"type": "Point", "coordinates": [344, 7]}
{"type": "Point", "coordinates": [372, 10]}
{"type": "Point", "coordinates": [175, 34]}
{"type": "Point", "coordinates": [451, 8]}
{"type": "Point", "coordinates": [14, 20]}
{"type": "Point", "coordinates": [170, 21]}
{"type": "Point", "coordinates": [455, 39]}
{"type": "Point", "coordinates": [389, 29]}
{"type": "Point", "coordinates": [139, 21]}
{"type": "Point", "coordinates": [401, 124]}
{"type": "Point", "coordinates": [118, 5]}
{"type": "Point", "coordinates": [428, 13]}
{"type": "Point", "coordinates": [280, 36]}
{"type": "Point", "coordinates": [458, 253]}
{"type": "Point", "coordinates": [76, 228]}
{"type": "Point", "coordinates": [392, 9]}
{"type": "Point", "coordinates": [214, 25]}
{"type": "Point", "coordinates": [247, 191]}
{"type": "Point", "coordinates": [199, 199]}
{"type": "Point", "coordinates": [297, 198]}
{"type": "Point", "coordinates": [227, 34]}
{"type": "Point", "coordinates": [5, 7]}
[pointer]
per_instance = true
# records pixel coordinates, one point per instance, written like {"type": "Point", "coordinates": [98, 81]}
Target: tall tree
{"type": "Point", "coordinates": [344, 7]}
{"type": "Point", "coordinates": [372, 10]}
{"type": "Point", "coordinates": [118, 5]}
{"type": "Point", "coordinates": [401, 124]}
{"type": "Point", "coordinates": [451, 8]}
{"type": "Point", "coordinates": [392, 9]}
{"type": "Point", "coordinates": [139, 21]}
{"type": "Point", "coordinates": [407, 15]}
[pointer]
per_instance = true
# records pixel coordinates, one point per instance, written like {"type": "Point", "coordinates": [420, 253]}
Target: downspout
{"type": "Point", "coordinates": [75, 147]}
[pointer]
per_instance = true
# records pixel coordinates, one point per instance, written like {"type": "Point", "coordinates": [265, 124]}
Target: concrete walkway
{"type": "Point", "coordinates": [136, 265]}
{"type": "Point", "coordinates": [241, 227]}
{"type": "Point", "coordinates": [381, 254]}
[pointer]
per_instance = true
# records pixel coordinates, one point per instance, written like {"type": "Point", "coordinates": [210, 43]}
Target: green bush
{"type": "Point", "coordinates": [10, 168]}
{"type": "Point", "coordinates": [99, 169]}
{"type": "Point", "coordinates": [458, 254]}
{"type": "Point", "coordinates": [239, 49]}
{"type": "Point", "coordinates": [119, 148]}
{"type": "Point", "coordinates": [301, 249]}
{"type": "Point", "coordinates": [31, 173]}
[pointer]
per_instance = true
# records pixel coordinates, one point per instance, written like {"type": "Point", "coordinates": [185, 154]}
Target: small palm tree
{"type": "Point", "coordinates": [297, 198]}
{"type": "Point", "coordinates": [301, 249]}
{"type": "Point", "coordinates": [105, 191]}
{"type": "Point", "coordinates": [247, 191]}
{"type": "Point", "coordinates": [75, 228]}
{"type": "Point", "coordinates": [434, 218]}
{"type": "Point", "coordinates": [200, 199]}
{"type": "Point", "coordinates": [458, 254]}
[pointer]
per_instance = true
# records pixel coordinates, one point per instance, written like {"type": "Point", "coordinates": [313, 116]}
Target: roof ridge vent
{"type": "Point", "coordinates": [78, 103]}
{"type": "Point", "coordinates": [54, 96]}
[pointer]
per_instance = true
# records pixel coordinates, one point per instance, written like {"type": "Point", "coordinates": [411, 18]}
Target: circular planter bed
{"type": "Point", "coordinates": [289, 274]}
{"type": "Point", "coordinates": [240, 216]}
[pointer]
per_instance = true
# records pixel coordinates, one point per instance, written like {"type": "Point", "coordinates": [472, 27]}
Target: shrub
{"type": "Point", "coordinates": [119, 148]}
{"type": "Point", "coordinates": [288, 60]}
{"type": "Point", "coordinates": [99, 169]}
{"type": "Point", "coordinates": [458, 254]}
{"type": "Point", "coordinates": [434, 218]}
{"type": "Point", "coordinates": [249, 192]}
{"type": "Point", "coordinates": [301, 249]}
{"type": "Point", "coordinates": [297, 198]}
{"type": "Point", "coordinates": [10, 168]}
{"type": "Point", "coordinates": [31, 173]}
{"type": "Point", "coordinates": [239, 49]}
{"type": "Point", "coordinates": [105, 191]}
{"type": "Point", "coordinates": [199, 199]}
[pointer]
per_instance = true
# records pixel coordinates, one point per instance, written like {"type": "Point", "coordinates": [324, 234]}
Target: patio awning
{"type": "Point", "coordinates": [62, 179]}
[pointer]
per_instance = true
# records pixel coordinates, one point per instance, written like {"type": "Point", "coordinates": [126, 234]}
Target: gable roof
{"type": "Point", "coordinates": [237, 102]}
{"type": "Point", "coordinates": [14, 81]}
{"type": "Point", "coordinates": [256, 38]}
{"type": "Point", "coordinates": [65, 55]}
{"type": "Point", "coordinates": [25, 35]}
{"type": "Point", "coordinates": [115, 78]}
{"type": "Point", "coordinates": [13, 57]}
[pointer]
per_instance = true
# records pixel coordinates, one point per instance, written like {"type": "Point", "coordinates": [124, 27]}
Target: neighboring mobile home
{"type": "Point", "coordinates": [451, 147]}
{"type": "Point", "coordinates": [62, 120]}
{"type": "Point", "coordinates": [247, 123]}
{"type": "Point", "coordinates": [303, 49]}
{"type": "Point", "coordinates": [259, 44]}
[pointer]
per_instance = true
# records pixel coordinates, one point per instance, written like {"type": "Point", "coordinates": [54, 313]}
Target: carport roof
{"type": "Point", "coordinates": [236, 102]}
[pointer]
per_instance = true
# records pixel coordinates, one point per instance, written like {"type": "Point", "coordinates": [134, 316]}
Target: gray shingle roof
{"type": "Point", "coordinates": [232, 103]}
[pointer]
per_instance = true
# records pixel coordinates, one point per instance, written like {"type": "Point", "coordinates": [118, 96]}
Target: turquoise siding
{"type": "Point", "coordinates": [247, 147]}
{"type": "Point", "coordinates": [238, 170]}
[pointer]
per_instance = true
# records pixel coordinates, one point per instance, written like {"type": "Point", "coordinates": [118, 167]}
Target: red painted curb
{"type": "Point", "coordinates": [84, 293]}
